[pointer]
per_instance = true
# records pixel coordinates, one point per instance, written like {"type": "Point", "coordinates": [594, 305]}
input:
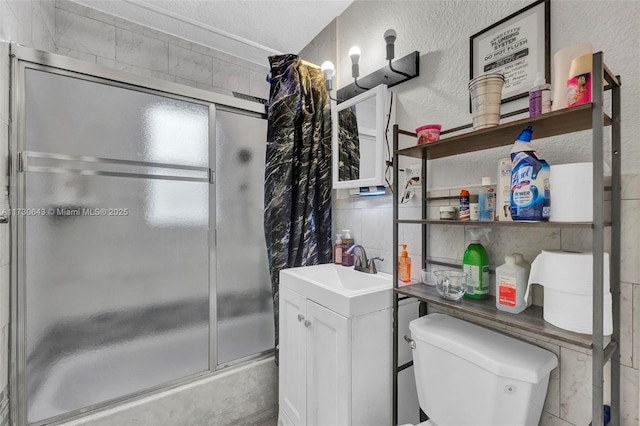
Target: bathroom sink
{"type": "Point", "coordinates": [339, 288]}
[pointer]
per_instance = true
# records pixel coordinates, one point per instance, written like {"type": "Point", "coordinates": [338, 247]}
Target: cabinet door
{"type": "Point", "coordinates": [293, 357]}
{"type": "Point", "coordinates": [328, 367]}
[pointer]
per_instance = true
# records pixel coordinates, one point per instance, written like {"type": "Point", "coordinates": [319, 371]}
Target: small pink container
{"type": "Point", "coordinates": [428, 133]}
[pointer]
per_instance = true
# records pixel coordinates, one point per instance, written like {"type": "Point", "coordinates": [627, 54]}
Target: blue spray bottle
{"type": "Point", "coordinates": [530, 189]}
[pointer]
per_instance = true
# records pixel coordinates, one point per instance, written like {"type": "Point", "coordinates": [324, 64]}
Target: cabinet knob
{"type": "Point", "coordinates": [300, 317]}
{"type": "Point", "coordinates": [307, 323]}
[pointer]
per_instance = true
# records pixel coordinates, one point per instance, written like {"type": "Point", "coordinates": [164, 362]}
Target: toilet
{"type": "Point", "coordinates": [469, 375]}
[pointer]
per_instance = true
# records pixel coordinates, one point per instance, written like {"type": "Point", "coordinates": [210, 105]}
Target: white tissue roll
{"type": "Point", "coordinates": [567, 278]}
{"type": "Point", "coordinates": [574, 312]}
{"type": "Point", "coordinates": [561, 64]}
{"type": "Point", "coordinates": [571, 192]}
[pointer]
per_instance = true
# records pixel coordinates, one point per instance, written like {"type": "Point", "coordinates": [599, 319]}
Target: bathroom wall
{"type": "Point", "coordinates": [440, 30]}
{"type": "Point", "coordinates": [30, 23]}
{"type": "Point", "coordinates": [249, 392]}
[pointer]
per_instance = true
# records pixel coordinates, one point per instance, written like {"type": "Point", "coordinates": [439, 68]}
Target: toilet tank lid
{"type": "Point", "coordinates": [497, 353]}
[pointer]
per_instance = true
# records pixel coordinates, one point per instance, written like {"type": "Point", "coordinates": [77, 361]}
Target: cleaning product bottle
{"type": "Point", "coordinates": [347, 242]}
{"type": "Point", "coordinates": [539, 96]}
{"type": "Point", "coordinates": [464, 205]}
{"type": "Point", "coordinates": [530, 190]}
{"type": "Point", "coordinates": [475, 263]}
{"type": "Point", "coordinates": [337, 250]}
{"type": "Point", "coordinates": [404, 265]}
{"type": "Point", "coordinates": [487, 200]}
{"type": "Point", "coordinates": [511, 284]}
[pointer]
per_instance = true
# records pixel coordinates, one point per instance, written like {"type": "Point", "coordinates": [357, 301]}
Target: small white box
{"type": "Point", "coordinates": [503, 205]}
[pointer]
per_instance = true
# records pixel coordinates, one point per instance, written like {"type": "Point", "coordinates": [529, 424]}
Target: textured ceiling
{"type": "Point", "coordinates": [250, 29]}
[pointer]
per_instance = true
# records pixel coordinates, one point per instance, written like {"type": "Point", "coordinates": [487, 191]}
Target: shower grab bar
{"type": "Point", "coordinates": [61, 165]}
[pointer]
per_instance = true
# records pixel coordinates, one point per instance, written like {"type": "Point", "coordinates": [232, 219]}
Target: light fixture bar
{"type": "Point", "coordinates": [407, 67]}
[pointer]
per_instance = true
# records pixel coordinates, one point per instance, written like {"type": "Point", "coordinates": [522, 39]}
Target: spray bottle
{"type": "Point", "coordinates": [475, 263]}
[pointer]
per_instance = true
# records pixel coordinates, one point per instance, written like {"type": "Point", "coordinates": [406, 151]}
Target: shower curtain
{"type": "Point", "coordinates": [297, 191]}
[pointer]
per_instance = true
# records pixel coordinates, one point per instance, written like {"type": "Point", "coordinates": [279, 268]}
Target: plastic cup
{"type": "Point", "coordinates": [486, 94]}
{"type": "Point", "coordinates": [450, 284]}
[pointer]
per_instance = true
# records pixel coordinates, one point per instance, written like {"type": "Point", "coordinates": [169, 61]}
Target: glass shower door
{"type": "Point", "coordinates": [114, 271]}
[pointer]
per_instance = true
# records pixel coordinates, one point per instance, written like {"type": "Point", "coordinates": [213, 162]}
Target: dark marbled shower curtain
{"type": "Point", "coordinates": [297, 187]}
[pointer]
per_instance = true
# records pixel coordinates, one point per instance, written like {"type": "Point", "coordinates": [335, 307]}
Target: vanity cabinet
{"type": "Point", "coordinates": [564, 121]}
{"type": "Point", "coordinates": [334, 370]}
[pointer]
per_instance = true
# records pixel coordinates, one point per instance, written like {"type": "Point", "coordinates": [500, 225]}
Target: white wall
{"type": "Point", "coordinates": [440, 31]}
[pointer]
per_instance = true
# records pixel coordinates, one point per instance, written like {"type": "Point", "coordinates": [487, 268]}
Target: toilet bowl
{"type": "Point", "coordinates": [469, 375]}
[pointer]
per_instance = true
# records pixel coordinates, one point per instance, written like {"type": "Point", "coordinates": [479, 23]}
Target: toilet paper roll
{"type": "Point", "coordinates": [575, 312]}
{"type": "Point", "coordinates": [561, 63]}
{"type": "Point", "coordinates": [571, 192]}
{"type": "Point", "coordinates": [567, 278]}
{"type": "Point", "coordinates": [567, 271]}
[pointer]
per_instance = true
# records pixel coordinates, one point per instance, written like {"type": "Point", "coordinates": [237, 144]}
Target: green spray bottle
{"type": "Point", "coordinates": [475, 264]}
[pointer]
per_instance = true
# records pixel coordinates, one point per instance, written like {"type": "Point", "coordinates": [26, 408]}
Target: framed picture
{"type": "Point", "coordinates": [517, 47]}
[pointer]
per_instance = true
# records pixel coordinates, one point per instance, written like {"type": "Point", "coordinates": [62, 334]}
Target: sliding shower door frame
{"type": "Point", "coordinates": [25, 58]}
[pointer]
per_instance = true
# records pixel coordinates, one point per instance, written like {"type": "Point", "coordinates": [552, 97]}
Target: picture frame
{"type": "Point", "coordinates": [517, 46]}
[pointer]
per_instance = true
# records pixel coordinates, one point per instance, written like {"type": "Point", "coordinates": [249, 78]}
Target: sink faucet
{"type": "Point", "coordinates": [362, 263]}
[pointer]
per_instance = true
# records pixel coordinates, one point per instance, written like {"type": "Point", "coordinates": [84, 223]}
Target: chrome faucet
{"type": "Point", "coordinates": [362, 263]}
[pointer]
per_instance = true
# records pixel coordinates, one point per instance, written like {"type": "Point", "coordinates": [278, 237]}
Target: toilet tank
{"type": "Point", "coordinates": [470, 375]}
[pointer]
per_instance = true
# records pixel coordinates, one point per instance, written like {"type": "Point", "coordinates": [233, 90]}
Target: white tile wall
{"type": "Point", "coordinates": [85, 34]}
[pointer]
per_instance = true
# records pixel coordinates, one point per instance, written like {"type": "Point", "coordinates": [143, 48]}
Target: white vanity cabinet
{"type": "Point", "coordinates": [334, 369]}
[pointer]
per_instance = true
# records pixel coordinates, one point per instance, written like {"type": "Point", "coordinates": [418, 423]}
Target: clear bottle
{"type": "Point", "coordinates": [487, 201]}
{"type": "Point", "coordinates": [404, 265]}
{"type": "Point", "coordinates": [511, 285]}
{"type": "Point", "coordinates": [521, 261]}
{"type": "Point", "coordinates": [347, 242]}
{"type": "Point", "coordinates": [337, 250]}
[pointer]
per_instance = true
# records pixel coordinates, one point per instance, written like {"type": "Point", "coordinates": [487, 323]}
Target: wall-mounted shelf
{"type": "Point", "coordinates": [545, 125]}
{"type": "Point", "coordinates": [495, 224]}
{"type": "Point", "coordinates": [530, 320]}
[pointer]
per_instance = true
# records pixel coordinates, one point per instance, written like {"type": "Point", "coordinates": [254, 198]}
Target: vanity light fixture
{"type": "Point", "coordinates": [329, 71]}
{"type": "Point", "coordinates": [394, 73]}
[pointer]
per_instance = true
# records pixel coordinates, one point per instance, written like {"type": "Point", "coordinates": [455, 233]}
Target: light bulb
{"type": "Point", "coordinates": [328, 69]}
{"type": "Point", "coordinates": [354, 54]}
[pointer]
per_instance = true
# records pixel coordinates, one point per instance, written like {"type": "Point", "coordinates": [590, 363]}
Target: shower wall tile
{"type": "Point", "coordinates": [629, 396]}
{"type": "Point", "coordinates": [83, 56]}
{"type": "Point", "coordinates": [189, 64]}
{"type": "Point", "coordinates": [230, 76]}
{"type": "Point", "coordinates": [133, 69]}
{"type": "Point", "coordinates": [145, 52]}
{"type": "Point", "coordinates": [43, 26]}
{"type": "Point", "coordinates": [629, 242]}
{"type": "Point", "coordinates": [636, 326]}
{"type": "Point", "coordinates": [258, 85]}
{"type": "Point", "coordinates": [550, 420]}
{"type": "Point", "coordinates": [18, 17]}
{"type": "Point", "coordinates": [631, 187]}
{"type": "Point", "coordinates": [626, 324]}
{"type": "Point", "coordinates": [377, 228]}
{"type": "Point", "coordinates": [73, 7]}
{"type": "Point", "coordinates": [84, 34]}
